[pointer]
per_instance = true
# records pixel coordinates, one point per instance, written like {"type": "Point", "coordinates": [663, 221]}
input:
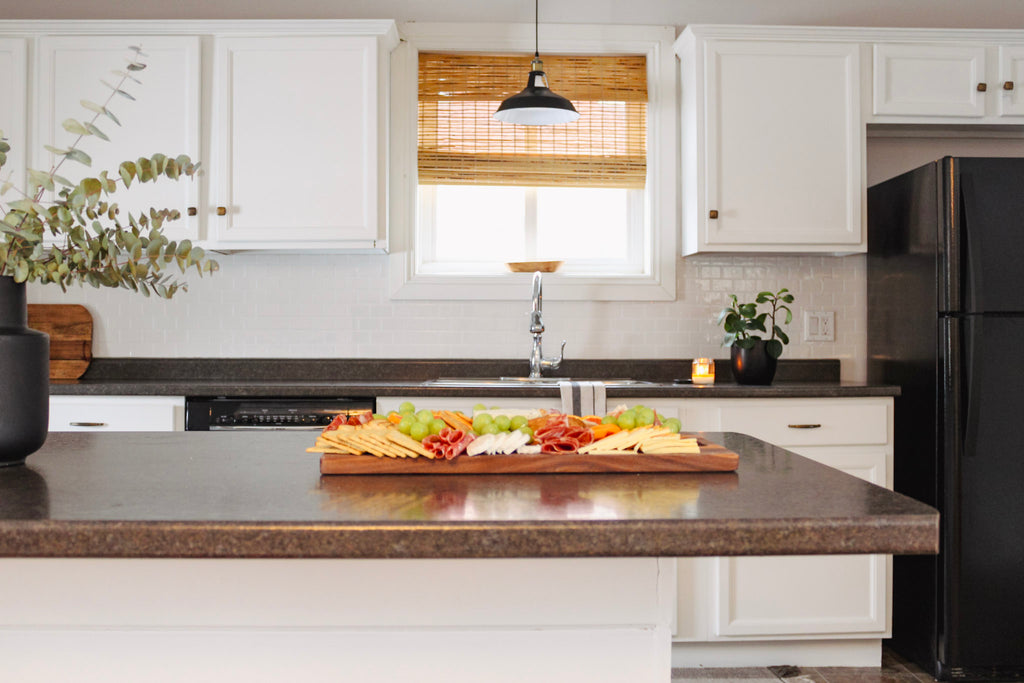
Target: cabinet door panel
{"type": "Point", "coordinates": [808, 596]}
{"type": "Point", "coordinates": [783, 136]}
{"type": "Point", "coordinates": [164, 118]}
{"type": "Point", "coordinates": [117, 413]}
{"type": "Point", "coordinates": [928, 80]}
{"type": "Point", "coordinates": [296, 114]}
{"type": "Point", "coordinates": [14, 86]}
{"type": "Point", "coordinates": [1011, 71]}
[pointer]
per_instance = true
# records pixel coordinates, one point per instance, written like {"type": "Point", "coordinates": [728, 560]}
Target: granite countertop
{"type": "Point", "coordinates": [246, 494]}
{"type": "Point", "coordinates": [367, 378]}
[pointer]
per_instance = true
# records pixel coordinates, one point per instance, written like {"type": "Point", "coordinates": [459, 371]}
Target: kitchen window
{"type": "Point", "coordinates": [598, 194]}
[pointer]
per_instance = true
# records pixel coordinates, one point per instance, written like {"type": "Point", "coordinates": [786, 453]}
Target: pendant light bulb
{"type": "Point", "coordinates": [536, 104]}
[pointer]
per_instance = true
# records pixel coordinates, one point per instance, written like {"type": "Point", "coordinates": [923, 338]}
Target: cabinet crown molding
{"type": "Point", "coordinates": [855, 33]}
{"type": "Point", "coordinates": [385, 28]}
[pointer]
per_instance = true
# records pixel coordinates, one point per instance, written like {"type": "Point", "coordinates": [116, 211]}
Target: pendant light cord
{"type": "Point", "coordinates": [536, 30]}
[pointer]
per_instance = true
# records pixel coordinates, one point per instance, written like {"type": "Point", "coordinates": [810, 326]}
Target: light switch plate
{"type": "Point", "coordinates": [819, 326]}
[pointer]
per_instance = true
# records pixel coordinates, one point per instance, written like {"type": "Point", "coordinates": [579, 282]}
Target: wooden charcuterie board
{"type": "Point", "coordinates": [712, 458]}
{"type": "Point", "coordinates": [70, 330]}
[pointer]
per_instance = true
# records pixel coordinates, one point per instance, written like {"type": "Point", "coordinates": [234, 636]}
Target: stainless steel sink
{"type": "Point", "coordinates": [524, 381]}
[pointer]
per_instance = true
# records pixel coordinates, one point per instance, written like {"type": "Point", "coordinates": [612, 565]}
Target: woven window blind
{"type": "Point", "coordinates": [461, 144]}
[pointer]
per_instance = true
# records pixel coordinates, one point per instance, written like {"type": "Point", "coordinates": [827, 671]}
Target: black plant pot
{"type": "Point", "coordinates": [753, 365]}
{"type": "Point", "coordinates": [24, 378]}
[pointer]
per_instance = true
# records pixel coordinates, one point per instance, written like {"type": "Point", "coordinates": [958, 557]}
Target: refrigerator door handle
{"type": "Point", "coordinates": [970, 283]}
{"type": "Point", "coordinates": [969, 376]}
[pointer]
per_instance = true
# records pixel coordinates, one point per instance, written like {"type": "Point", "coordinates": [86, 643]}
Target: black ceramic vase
{"type": "Point", "coordinates": [753, 365]}
{"type": "Point", "coordinates": [24, 377]}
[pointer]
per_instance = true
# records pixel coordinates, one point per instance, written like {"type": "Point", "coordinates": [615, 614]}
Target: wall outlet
{"type": "Point", "coordinates": [819, 326]}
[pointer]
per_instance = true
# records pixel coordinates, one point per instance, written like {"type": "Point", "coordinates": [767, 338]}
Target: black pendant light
{"type": "Point", "coordinates": [536, 105]}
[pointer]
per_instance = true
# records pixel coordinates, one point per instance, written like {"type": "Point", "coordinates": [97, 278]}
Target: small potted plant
{"type": "Point", "coordinates": [753, 356]}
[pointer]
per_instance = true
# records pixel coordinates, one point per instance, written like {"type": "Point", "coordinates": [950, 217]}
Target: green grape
{"type": "Point", "coordinates": [626, 421]}
{"type": "Point", "coordinates": [406, 407]}
{"type": "Point", "coordinates": [644, 417]}
{"type": "Point", "coordinates": [480, 421]}
{"type": "Point", "coordinates": [406, 424]}
{"type": "Point", "coordinates": [419, 430]}
{"type": "Point", "coordinates": [517, 422]}
{"type": "Point", "coordinates": [436, 425]}
{"type": "Point", "coordinates": [424, 416]}
{"type": "Point", "coordinates": [495, 407]}
{"type": "Point", "coordinates": [503, 422]}
{"type": "Point", "coordinates": [490, 428]}
{"type": "Point", "coordinates": [479, 406]}
{"type": "Point", "coordinates": [661, 418]}
{"type": "Point", "coordinates": [638, 407]}
{"type": "Point", "coordinates": [608, 419]}
{"type": "Point", "coordinates": [672, 424]}
{"type": "Point", "coordinates": [525, 429]}
{"type": "Point", "coordinates": [378, 416]}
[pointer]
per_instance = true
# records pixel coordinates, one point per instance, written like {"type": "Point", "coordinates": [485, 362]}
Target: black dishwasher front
{"type": "Point", "coordinates": [225, 413]}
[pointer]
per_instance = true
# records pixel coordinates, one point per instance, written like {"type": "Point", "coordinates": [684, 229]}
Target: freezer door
{"type": "Point", "coordinates": [983, 493]}
{"type": "Point", "coordinates": [991, 235]}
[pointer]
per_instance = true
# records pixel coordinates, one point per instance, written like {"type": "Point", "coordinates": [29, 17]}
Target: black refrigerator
{"type": "Point", "coordinates": [945, 301]}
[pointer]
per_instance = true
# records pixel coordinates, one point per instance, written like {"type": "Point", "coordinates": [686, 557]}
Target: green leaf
{"type": "Point", "coordinates": [125, 74]}
{"type": "Point", "coordinates": [96, 131]}
{"type": "Point", "coordinates": [774, 348]}
{"type": "Point", "coordinates": [92, 106]}
{"type": "Point", "coordinates": [781, 335]}
{"type": "Point", "coordinates": [110, 115]}
{"type": "Point", "coordinates": [40, 179]}
{"type": "Point", "coordinates": [127, 171]}
{"type": "Point", "coordinates": [74, 127]}
{"type": "Point", "coordinates": [55, 150]}
{"type": "Point", "coordinates": [79, 156]}
{"type": "Point", "coordinates": [136, 66]}
{"type": "Point", "coordinates": [4, 147]}
{"type": "Point", "coordinates": [63, 181]}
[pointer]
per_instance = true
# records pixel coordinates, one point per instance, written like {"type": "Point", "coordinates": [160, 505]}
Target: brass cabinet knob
{"type": "Point", "coordinates": [804, 426]}
{"type": "Point", "coordinates": [88, 424]}
{"type": "Point", "coordinates": [712, 213]}
{"type": "Point", "coordinates": [1008, 85]}
{"type": "Point", "coordinates": [982, 87]}
{"type": "Point", "coordinates": [192, 211]}
{"type": "Point", "coordinates": [222, 211]}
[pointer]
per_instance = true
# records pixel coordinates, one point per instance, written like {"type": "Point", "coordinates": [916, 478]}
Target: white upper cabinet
{"type": "Point", "coordinates": [1010, 87]}
{"type": "Point", "coordinates": [14, 86]}
{"type": "Point", "coordinates": [929, 80]}
{"type": "Point", "coordinates": [299, 142]}
{"type": "Point", "coordinates": [773, 142]}
{"type": "Point", "coordinates": [163, 118]}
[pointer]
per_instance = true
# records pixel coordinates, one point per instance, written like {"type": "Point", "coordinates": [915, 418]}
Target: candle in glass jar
{"type": "Point", "coordinates": [703, 371]}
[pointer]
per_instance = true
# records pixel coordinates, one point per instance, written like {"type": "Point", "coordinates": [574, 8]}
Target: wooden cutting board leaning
{"type": "Point", "coordinates": [70, 330]}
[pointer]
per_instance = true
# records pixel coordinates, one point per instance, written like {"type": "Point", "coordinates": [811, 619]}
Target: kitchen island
{"type": "Point", "coordinates": [230, 552]}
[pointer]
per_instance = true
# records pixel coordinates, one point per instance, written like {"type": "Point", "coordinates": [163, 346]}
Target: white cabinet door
{"type": "Point", "coordinates": [297, 143]}
{"type": "Point", "coordinates": [14, 86]}
{"type": "Point", "coordinates": [775, 135]}
{"type": "Point", "coordinates": [929, 80]}
{"type": "Point", "coordinates": [792, 598]}
{"type": "Point", "coordinates": [1011, 81]}
{"type": "Point", "coordinates": [164, 118]}
{"type": "Point", "coordinates": [117, 413]}
{"type": "Point", "coordinates": [795, 597]}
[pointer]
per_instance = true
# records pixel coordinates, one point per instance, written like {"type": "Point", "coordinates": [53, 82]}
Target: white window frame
{"type": "Point", "coordinates": [655, 42]}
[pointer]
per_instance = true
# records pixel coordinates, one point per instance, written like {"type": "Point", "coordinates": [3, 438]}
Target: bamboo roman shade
{"type": "Point", "coordinates": [461, 144]}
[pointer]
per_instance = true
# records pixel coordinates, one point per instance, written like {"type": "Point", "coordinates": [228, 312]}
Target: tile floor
{"type": "Point", "coordinates": [893, 670]}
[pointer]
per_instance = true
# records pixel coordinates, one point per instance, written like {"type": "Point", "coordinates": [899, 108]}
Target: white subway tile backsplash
{"type": "Point", "coordinates": [321, 306]}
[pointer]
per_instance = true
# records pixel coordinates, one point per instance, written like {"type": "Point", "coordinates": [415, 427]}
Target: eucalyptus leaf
{"type": "Point", "coordinates": [40, 179]}
{"type": "Point", "coordinates": [74, 127]}
{"type": "Point", "coordinates": [55, 150]}
{"type": "Point", "coordinates": [125, 75]}
{"type": "Point", "coordinates": [95, 131]}
{"type": "Point", "coordinates": [78, 155]}
{"type": "Point", "coordinates": [110, 115]}
{"type": "Point", "coordinates": [92, 106]}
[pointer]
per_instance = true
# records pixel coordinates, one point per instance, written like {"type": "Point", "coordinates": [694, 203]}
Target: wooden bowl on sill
{"type": "Point", "coordinates": [533, 266]}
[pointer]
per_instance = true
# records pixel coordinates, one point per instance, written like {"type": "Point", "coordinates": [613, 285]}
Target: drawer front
{"type": "Point", "coordinates": [117, 413]}
{"type": "Point", "coordinates": [798, 422]}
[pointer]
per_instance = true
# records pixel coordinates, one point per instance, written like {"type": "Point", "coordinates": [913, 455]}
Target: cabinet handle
{"type": "Point", "coordinates": [712, 213]}
{"type": "Point", "coordinates": [192, 211]}
{"type": "Point", "coordinates": [982, 87]}
{"type": "Point", "coordinates": [88, 424]}
{"type": "Point", "coordinates": [222, 211]}
{"type": "Point", "coordinates": [807, 426]}
{"type": "Point", "coordinates": [1008, 85]}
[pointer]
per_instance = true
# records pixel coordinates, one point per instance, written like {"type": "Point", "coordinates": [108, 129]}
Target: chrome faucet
{"type": "Point", "coordinates": [537, 360]}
